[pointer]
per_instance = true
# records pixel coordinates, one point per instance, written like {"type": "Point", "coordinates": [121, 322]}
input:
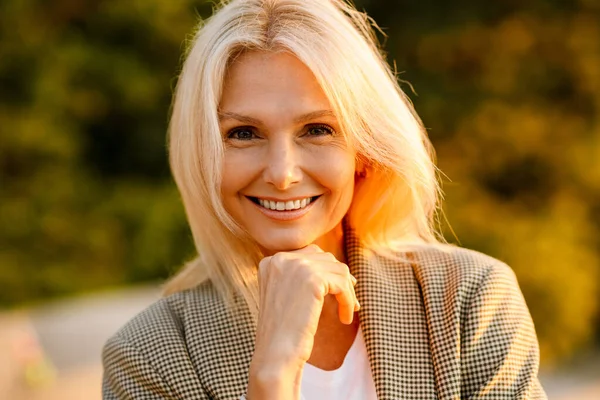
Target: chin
{"type": "Point", "coordinates": [276, 245]}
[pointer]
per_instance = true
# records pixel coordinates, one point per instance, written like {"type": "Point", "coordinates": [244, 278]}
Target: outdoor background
{"type": "Point", "coordinates": [509, 91]}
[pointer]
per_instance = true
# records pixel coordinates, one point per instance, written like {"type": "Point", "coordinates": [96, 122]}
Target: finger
{"type": "Point", "coordinates": [343, 291]}
{"type": "Point", "coordinates": [356, 303]}
{"type": "Point", "coordinates": [326, 265]}
{"type": "Point", "coordinates": [311, 252]}
{"type": "Point", "coordinates": [310, 249]}
{"type": "Point", "coordinates": [321, 257]}
{"type": "Point", "coordinates": [337, 268]}
{"type": "Point", "coordinates": [263, 266]}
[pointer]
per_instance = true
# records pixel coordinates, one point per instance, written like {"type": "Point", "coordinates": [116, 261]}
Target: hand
{"type": "Point", "coordinates": [292, 287]}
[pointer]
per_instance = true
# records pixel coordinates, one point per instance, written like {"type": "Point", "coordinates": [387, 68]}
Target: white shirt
{"type": "Point", "coordinates": [352, 380]}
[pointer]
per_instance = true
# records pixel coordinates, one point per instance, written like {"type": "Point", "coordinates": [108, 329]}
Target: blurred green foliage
{"type": "Point", "coordinates": [509, 91]}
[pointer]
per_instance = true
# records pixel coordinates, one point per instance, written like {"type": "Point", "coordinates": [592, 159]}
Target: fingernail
{"type": "Point", "coordinates": [353, 280]}
{"type": "Point", "coordinates": [357, 306]}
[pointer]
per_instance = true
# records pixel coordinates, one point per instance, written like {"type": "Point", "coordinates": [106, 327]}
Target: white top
{"type": "Point", "coordinates": [352, 380]}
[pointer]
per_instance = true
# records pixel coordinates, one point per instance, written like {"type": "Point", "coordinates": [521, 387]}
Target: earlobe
{"type": "Point", "coordinates": [361, 169]}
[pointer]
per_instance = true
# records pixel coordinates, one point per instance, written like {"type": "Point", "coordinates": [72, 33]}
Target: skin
{"type": "Point", "coordinates": [284, 142]}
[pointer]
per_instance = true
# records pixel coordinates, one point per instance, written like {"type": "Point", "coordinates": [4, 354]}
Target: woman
{"type": "Point", "coordinates": [310, 189]}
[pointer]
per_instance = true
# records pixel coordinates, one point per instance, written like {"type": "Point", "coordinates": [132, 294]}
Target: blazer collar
{"type": "Point", "coordinates": [393, 322]}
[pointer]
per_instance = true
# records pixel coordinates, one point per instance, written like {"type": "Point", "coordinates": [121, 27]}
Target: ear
{"type": "Point", "coordinates": [361, 167]}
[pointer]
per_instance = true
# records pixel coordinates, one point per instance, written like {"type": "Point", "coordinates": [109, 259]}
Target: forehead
{"type": "Point", "coordinates": [271, 79]}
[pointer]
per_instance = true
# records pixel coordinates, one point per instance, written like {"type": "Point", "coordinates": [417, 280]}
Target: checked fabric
{"type": "Point", "coordinates": [449, 323]}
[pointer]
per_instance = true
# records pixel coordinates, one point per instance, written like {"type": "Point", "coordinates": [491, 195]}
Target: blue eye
{"type": "Point", "coordinates": [241, 133]}
{"type": "Point", "coordinates": [320, 130]}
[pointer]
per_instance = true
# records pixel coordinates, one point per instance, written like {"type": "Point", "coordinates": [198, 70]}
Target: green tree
{"type": "Point", "coordinates": [86, 196]}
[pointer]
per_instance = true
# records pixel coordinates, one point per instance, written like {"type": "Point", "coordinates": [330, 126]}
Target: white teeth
{"type": "Point", "coordinates": [284, 205]}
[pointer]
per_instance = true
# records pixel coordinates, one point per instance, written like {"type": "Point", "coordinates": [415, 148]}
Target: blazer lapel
{"type": "Point", "coordinates": [393, 322]}
{"type": "Point", "coordinates": [220, 342]}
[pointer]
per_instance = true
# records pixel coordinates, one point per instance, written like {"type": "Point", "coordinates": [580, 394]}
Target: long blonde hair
{"type": "Point", "coordinates": [395, 202]}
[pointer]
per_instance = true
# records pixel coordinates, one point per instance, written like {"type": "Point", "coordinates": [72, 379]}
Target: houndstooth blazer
{"type": "Point", "coordinates": [450, 325]}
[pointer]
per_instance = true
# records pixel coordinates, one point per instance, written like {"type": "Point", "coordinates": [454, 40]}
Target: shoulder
{"type": "Point", "coordinates": [464, 269]}
{"type": "Point", "coordinates": [177, 342]}
{"type": "Point", "coordinates": [450, 257]}
{"type": "Point", "coordinates": [455, 282]}
{"type": "Point", "coordinates": [148, 357]}
{"type": "Point", "coordinates": [158, 333]}
{"type": "Point", "coordinates": [476, 307]}
{"type": "Point", "coordinates": [164, 320]}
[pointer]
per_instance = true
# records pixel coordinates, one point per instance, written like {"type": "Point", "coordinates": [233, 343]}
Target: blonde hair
{"type": "Point", "coordinates": [394, 203]}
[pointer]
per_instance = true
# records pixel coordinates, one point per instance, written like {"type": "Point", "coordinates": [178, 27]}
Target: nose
{"type": "Point", "coordinates": [282, 168]}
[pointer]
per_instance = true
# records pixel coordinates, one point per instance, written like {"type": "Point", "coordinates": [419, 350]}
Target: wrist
{"type": "Point", "coordinates": [274, 381]}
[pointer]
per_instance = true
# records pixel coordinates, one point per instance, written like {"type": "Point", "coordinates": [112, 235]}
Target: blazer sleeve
{"type": "Point", "coordinates": [129, 375]}
{"type": "Point", "coordinates": [499, 348]}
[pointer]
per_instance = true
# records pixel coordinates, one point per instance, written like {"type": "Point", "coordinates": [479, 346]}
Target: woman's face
{"type": "Point", "coordinates": [288, 174]}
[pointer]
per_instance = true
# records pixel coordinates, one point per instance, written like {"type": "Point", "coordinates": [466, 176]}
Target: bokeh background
{"type": "Point", "coordinates": [509, 91]}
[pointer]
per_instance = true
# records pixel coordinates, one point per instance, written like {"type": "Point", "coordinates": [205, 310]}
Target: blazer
{"type": "Point", "coordinates": [452, 324]}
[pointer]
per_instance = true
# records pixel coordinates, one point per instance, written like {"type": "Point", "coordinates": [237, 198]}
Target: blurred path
{"type": "Point", "coordinates": [73, 332]}
{"type": "Point", "coordinates": [54, 350]}
{"type": "Point", "coordinates": [578, 381]}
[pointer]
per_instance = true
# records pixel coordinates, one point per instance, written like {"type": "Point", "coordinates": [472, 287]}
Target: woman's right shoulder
{"type": "Point", "coordinates": [165, 319]}
{"type": "Point", "coordinates": [149, 354]}
{"type": "Point", "coordinates": [168, 346]}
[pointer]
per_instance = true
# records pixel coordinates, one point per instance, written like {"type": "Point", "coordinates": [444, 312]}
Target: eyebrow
{"type": "Point", "coordinates": [223, 115]}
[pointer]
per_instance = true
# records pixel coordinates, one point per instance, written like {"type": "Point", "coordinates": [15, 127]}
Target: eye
{"type": "Point", "coordinates": [320, 130]}
{"type": "Point", "coordinates": [241, 133]}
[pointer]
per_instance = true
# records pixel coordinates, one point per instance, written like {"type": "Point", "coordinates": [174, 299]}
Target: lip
{"type": "Point", "coordinates": [284, 200]}
{"type": "Point", "coordinates": [284, 215]}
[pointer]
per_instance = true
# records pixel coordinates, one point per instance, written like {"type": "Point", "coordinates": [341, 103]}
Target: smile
{"type": "Point", "coordinates": [283, 205]}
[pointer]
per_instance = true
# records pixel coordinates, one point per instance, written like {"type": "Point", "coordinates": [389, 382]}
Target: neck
{"type": "Point", "coordinates": [333, 242]}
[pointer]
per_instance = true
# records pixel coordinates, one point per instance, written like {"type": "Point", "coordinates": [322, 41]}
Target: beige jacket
{"type": "Point", "coordinates": [451, 325]}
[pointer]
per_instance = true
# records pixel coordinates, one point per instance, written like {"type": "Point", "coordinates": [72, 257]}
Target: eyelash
{"type": "Point", "coordinates": [327, 128]}
{"type": "Point", "coordinates": [240, 129]}
{"type": "Point", "coordinates": [230, 135]}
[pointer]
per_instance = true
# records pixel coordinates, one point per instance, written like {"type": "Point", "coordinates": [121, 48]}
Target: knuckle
{"type": "Point", "coordinates": [278, 258]}
{"type": "Point", "coordinates": [315, 283]}
{"type": "Point", "coordinates": [313, 247]}
{"type": "Point", "coordinates": [331, 257]}
{"type": "Point", "coordinates": [264, 263]}
{"type": "Point", "coordinates": [263, 266]}
{"type": "Point", "coordinates": [264, 274]}
{"type": "Point", "coordinates": [343, 269]}
{"type": "Point", "coordinates": [303, 263]}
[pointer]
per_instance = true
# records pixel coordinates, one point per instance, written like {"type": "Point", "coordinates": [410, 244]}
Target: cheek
{"type": "Point", "coordinates": [236, 173]}
{"type": "Point", "coordinates": [336, 170]}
